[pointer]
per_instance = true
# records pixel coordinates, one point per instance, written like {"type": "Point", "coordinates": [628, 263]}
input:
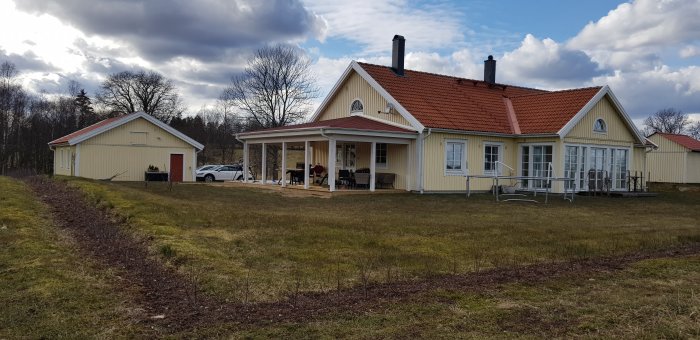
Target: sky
{"type": "Point", "coordinates": [647, 51]}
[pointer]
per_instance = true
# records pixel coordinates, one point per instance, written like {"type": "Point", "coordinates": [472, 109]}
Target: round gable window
{"type": "Point", "coordinates": [356, 106]}
{"type": "Point", "coordinates": [600, 126]}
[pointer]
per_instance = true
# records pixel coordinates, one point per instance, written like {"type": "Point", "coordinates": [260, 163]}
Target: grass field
{"type": "Point", "coordinates": [47, 289]}
{"type": "Point", "coordinates": [247, 245]}
{"type": "Point", "coordinates": [235, 238]}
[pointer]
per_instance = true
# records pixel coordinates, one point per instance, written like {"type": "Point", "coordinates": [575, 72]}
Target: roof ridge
{"type": "Point", "coordinates": [557, 91]}
{"type": "Point", "coordinates": [460, 78]}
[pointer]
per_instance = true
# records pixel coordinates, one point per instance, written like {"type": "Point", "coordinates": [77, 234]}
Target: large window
{"type": "Point", "coordinates": [455, 157]}
{"type": "Point", "coordinates": [380, 155]}
{"type": "Point", "coordinates": [492, 155]}
{"type": "Point", "coordinates": [591, 165]}
{"type": "Point", "coordinates": [535, 163]}
{"type": "Point", "coordinates": [571, 166]}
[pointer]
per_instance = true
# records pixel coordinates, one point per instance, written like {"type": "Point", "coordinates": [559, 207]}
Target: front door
{"type": "Point", "coordinates": [176, 166]}
{"type": "Point", "coordinates": [345, 157]}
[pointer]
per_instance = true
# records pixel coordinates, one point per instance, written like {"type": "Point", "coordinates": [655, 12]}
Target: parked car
{"type": "Point", "coordinates": [208, 167]}
{"type": "Point", "coordinates": [222, 173]}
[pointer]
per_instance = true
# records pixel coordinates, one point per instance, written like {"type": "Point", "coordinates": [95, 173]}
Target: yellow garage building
{"type": "Point", "coordinates": [123, 148]}
{"type": "Point", "coordinates": [675, 160]}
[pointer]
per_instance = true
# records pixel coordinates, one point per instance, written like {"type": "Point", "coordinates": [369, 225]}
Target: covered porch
{"type": "Point", "coordinates": [353, 153]}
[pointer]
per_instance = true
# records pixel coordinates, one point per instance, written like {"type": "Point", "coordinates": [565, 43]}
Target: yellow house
{"type": "Point", "coordinates": [675, 160]}
{"type": "Point", "coordinates": [122, 149]}
{"type": "Point", "coordinates": [431, 131]}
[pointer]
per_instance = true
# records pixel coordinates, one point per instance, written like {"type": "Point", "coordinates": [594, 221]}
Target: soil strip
{"type": "Point", "coordinates": [173, 302]}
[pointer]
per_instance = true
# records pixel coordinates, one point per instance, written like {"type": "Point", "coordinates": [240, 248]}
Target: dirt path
{"type": "Point", "coordinates": [172, 300]}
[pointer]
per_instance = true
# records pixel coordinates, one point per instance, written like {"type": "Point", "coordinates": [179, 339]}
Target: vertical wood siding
{"type": "Point", "coordinates": [112, 153]}
{"type": "Point", "coordinates": [668, 163]}
{"type": "Point", "coordinates": [357, 88]}
{"type": "Point", "coordinates": [618, 133]}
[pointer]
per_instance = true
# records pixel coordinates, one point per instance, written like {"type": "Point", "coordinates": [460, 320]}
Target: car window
{"type": "Point", "coordinates": [237, 168]}
{"type": "Point", "coordinates": [226, 168]}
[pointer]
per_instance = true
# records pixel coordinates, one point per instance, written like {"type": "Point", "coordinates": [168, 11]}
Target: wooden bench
{"type": "Point", "coordinates": [385, 178]}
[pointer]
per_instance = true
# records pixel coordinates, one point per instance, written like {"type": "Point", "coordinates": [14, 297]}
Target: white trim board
{"type": "Point", "coordinates": [415, 124]}
{"type": "Point", "coordinates": [591, 103]}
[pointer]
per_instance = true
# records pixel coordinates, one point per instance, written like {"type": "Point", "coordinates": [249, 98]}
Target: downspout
{"type": "Point", "coordinates": [421, 151]}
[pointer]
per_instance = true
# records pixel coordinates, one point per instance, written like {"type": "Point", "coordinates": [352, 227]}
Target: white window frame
{"type": "Point", "coordinates": [587, 161]}
{"type": "Point", "coordinates": [530, 170]}
{"type": "Point", "coordinates": [605, 126]}
{"type": "Point", "coordinates": [352, 113]}
{"type": "Point", "coordinates": [499, 167]}
{"type": "Point", "coordinates": [384, 165]}
{"type": "Point", "coordinates": [463, 170]}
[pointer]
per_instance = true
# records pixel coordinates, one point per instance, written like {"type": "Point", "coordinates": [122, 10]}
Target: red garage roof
{"type": "Point", "coordinates": [439, 101]}
{"type": "Point", "coordinates": [85, 130]}
{"type": "Point", "coordinates": [687, 141]}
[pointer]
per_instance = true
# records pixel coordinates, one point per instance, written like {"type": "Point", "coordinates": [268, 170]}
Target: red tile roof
{"type": "Point", "coordinates": [353, 122]}
{"type": "Point", "coordinates": [85, 130]}
{"type": "Point", "coordinates": [548, 112]}
{"type": "Point", "coordinates": [439, 101]}
{"type": "Point", "coordinates": [687, 141]}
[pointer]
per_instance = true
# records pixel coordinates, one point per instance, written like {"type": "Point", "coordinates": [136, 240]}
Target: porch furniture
{"type": "Point", "coordinates": [296, 176]}
{"type": "Point", "coordinates": [345, 178]}
{"type": "Point", "coordinates": [362, 179]}
{"type": "Point", "coordinates": [156, 176]}
{"type": "Point", "coordinates": [317, 171]}
{"type": "Point", "coordinates": [385, 178]}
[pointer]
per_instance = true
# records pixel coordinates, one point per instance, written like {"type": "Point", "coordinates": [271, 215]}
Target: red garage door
{"type": "Point", "coordinates": [176, 166]}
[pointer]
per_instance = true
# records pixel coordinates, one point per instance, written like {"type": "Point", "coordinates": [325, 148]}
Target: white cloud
{"type": "Point", "coordinates": [690, 51]}
{"type": "Point", "coordinates": [547, 64]}
{"type": "Point", "coordinates": [643, 93]}
{"type": "Point", "coordinates": [372, 23]}
{"type": "Point", "coordinates": [632, 36]}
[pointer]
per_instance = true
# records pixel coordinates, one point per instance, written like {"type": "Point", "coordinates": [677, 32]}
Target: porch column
{"type": "Point", "coordinates": [331, 164]}
{"type": "Point", "coordinates": [263, 175]}
{"type": "Point", "coordinates": [306, 164]}
{"type": "Point", "coordinates": [372, 166]}
{"type": "Point", "coordinates": [284, 164]}
{"type": "Point", "coordinates": [245, 162]}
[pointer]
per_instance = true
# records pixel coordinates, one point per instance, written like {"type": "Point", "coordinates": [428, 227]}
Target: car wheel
{"type": "Point", "coordinates": [209, 178]}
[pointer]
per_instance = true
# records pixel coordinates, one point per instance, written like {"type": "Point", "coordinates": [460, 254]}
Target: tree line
{"type": "Point", "coordinates": [275, 89]}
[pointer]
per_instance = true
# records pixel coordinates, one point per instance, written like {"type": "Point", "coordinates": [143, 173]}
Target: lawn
{"type": "Point", "coordinates": [48, 289]}
{"type": "Point", "coordinates": [247, 245]}
{"type": "Point", "coordinates": [254, 245]}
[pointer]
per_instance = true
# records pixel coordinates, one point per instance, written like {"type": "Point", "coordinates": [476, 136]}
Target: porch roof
{"type": "Point", "coordinates": [346, 125]}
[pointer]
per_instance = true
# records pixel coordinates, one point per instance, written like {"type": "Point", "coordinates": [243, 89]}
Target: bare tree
{"type": "Point", "coordinates": [275, 89]}
{"type": "Point", "coordinates": [141, 91]}
{"type": "Point", "coordinates": [694, 130]}
{"type": "Point", "coordinates": [667, 120]}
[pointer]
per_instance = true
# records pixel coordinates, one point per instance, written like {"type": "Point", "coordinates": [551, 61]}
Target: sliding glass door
{"type": "Point", "coordinates": [589, 166]}
{"type": "Point", "coordinates": [535, 162]}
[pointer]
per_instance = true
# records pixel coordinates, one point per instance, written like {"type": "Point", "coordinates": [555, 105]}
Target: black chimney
{"type": "Point", "coordinates": [397, 54]}
{"type": "Point", "coordinates": [490, 70]}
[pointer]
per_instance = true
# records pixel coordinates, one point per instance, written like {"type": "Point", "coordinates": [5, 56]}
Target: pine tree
{"type": "Point", "coordinates": [86, 114]}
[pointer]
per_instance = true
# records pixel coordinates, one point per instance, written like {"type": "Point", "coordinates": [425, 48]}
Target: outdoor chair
{"type": "Point", "coordinates": [385, 179]}
{"type": "Point", "coordinates": [345, 177]}
{"type": "Point", "coordinates": [362, 179]}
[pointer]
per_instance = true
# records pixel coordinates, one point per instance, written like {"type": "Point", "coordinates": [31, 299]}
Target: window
{"type": "Point", "coordinates": [455, 158]}
{"type": "Point", "coordinates": [492, 154]}
{"type": "Point", "coordinates": [380, 155]}
{"type": "Point", "coordinates": [356, 106]}
{"type": "Point", "coordinates": [600, 126]}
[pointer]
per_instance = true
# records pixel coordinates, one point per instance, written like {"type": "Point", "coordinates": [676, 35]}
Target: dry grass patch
{"type": "Point", "coordinates": [256, 245]}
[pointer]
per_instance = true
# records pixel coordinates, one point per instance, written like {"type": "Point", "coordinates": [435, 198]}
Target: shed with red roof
{"type": "Point", "coordinates": [122, 149]}
{"type": "Point", "coordinates": [675, 160]}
